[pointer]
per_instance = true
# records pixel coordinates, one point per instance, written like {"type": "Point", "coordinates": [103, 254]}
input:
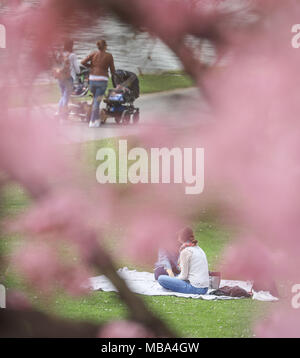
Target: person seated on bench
{"type": "Point", "coordinates": [194, 276]}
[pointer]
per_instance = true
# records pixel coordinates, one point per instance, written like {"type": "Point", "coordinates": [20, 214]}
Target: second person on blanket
{"type": "Point", "coordinates": [194, 274]}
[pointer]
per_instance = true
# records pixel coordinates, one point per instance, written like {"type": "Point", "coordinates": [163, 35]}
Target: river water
{"type": "Point", "coordinates": [132, 50]}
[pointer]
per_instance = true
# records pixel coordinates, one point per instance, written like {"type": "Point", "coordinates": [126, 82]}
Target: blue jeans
{"type": "Point", "coordinates": [98, 89]}
{"type": "Point", "coordinates": [66, 88]}
{"type": "Point", "coordinates": [177, 285]}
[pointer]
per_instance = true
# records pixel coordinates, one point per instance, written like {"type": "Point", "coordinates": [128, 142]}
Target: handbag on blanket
{"type": "Point", "coordinates": [235, 291]}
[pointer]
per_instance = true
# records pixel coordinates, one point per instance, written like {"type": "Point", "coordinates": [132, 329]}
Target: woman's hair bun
{"type": "Point", "coordinates": [187, 234]}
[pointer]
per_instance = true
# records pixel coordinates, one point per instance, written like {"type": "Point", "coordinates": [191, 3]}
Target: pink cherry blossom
{"type": "Point", "coordinates": [124, 329]}
{"type": "Point", "coordinates": [250, 132]}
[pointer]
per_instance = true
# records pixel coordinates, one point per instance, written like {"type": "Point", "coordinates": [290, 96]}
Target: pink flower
{"type": "Point", "coordinates": [250, 137]}
{"type": "Point", "coordinates": [249, 260]}
{"type": "Point", "coordinates": [124, 329]}
{"type": "Point", "coordinates": [39, 264]}
{"type": "Point", "coordinates": [64, 214]}
{"type": "Point", "coordinates": [75, 280]}
{"type": "Point", "coordinates": [285, 323]}
{"type": "Point", "coordinates": [148, 231]}
{"type": "Point", "coordinates": [17, 300]}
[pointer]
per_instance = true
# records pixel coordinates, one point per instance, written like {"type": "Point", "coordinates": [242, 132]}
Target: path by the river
{"type": "Point", "coordinates": [170, 109]}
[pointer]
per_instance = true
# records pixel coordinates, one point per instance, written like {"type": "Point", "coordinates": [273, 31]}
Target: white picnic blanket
{"type": "Point", "coordinates": [144, 283]}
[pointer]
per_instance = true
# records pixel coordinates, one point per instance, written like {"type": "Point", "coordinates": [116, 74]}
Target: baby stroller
{"type": "Point", "coordinates": [120, 100]}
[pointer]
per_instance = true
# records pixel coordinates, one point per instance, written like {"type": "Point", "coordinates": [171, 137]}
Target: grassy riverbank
{"type": "Point", "coordinates": [149, 83]}
{"type": "Point", "coordinates": [190, 317]}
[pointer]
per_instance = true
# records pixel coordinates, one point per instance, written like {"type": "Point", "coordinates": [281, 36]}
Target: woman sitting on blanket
{"type": "Point", "coordinates": [194, 276]}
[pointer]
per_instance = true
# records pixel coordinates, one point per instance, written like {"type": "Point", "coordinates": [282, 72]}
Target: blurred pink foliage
{"type": "Point", "coordinates": [42, 267]}
{"type": "Point", "coordinates": [283, 324]}
{"type": "Point", "coordinates": [27, 135]}
{"type": "Point", "coordinates": [257, 134]}
{"type": "Point", "coordinates": [17, 300]}
{"type": "Point", "coordinates": [251, 145]}
{"type": "Point", "coordinates": [65, 215]}
{"type": "Point", "coordinates": [39, 264]}
{"type": "Point", "coordinates": [147, 231]}
{"type": "Point", "coordinates": [124, 329]}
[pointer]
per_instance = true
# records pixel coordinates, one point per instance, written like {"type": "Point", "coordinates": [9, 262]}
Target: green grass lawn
{"type": "Point", "coordinates": [190, 317]}
{"type": "Point", "coordinates": [164, 82]}
{"type": "Point", "coordinates": [149, 83]}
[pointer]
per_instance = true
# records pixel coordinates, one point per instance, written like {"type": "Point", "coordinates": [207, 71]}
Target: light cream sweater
{"type": "Point", "coordinates": [194, 267]}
